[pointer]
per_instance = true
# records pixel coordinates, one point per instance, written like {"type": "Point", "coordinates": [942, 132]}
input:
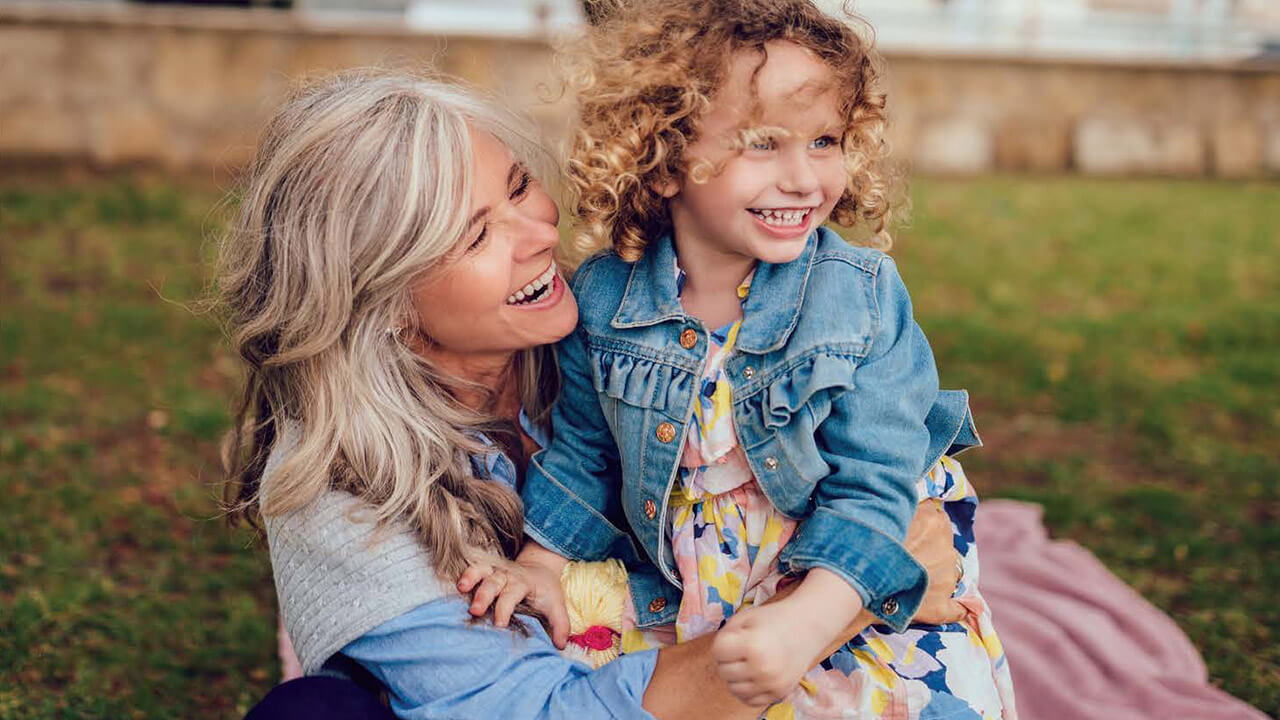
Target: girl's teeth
{"type": "Point", "coordinates": [782, 217]}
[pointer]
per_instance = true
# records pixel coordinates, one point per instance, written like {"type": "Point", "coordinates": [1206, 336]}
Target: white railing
{"type": "Point", "coordinates": [1187, 30]}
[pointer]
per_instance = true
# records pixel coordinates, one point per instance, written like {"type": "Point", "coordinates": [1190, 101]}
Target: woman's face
{"type": "Point", "coordinates": [499, 291]}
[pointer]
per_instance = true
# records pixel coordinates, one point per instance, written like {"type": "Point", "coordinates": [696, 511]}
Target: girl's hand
{"type": "Point", "coordinates": [504, 585]}
{"type": "Point", "coordinates": [929, 540]}
{"type": "Point", "coordinates": [762, 653]}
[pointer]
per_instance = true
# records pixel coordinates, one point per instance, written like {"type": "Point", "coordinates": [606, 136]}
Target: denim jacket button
{"type": "Point", "coordinates": [657, 605]}
{"type": "Point", "coordinates": [889, 607]}
{"type": "Point", "coordinates": [666, 432]}
{"type": "Point", "coordinates": [688, 338]}
{"type": "Point", "coordinates": [650, 509]}
{"type": "Point", "coordinates": [771, 463]}
{"type": "Point", "coordinates": [748, 372]}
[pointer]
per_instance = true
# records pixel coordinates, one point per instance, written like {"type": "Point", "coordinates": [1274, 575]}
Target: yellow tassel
{"type": "Point", "coordinates": [594, 595]}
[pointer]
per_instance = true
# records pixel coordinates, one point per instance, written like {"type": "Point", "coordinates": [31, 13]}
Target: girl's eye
{"type": "Point", "coordinates": [824, 143]}
{"type": "Point", "coordinates": [475, 244]}
{"type": "Point", "coordinates": [761, 145]}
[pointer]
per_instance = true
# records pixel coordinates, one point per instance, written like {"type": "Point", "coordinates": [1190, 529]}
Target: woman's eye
{"type": "Point", "coordinates": [475, 244]}
{"type": "Point", "coordinates": [761, 145]}
{"type": "Point", "coordinates": [823, 143]}
{"type": "Point", "coordinates": [522, 186]}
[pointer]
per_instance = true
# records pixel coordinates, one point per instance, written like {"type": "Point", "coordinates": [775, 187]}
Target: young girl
{"type": "Point", "coordinates": [758, 385]}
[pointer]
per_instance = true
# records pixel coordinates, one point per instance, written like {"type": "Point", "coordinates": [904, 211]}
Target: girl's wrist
{"type": "Point", "coordinates": [824, 600]}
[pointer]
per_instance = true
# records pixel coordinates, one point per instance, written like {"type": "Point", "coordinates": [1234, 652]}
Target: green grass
{"type": "Point", "coordinates": [1119, 339]}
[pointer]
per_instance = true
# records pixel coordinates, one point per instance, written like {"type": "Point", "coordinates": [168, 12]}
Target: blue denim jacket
{"type": "Point", "coordinates": [837, 410]}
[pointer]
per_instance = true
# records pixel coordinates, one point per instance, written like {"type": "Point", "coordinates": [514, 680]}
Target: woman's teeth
{"type": "Point", "coordinates": [782, 218]}
{"type": "Point", "coordinates": [534, 290]}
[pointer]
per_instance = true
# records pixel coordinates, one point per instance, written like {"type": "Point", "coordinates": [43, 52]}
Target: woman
{"type": "Point", "coordinates": [390, 284]}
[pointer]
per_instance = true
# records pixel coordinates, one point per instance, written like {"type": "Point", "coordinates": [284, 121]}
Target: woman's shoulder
{"type": "Point", "coordinates": [339, 573]}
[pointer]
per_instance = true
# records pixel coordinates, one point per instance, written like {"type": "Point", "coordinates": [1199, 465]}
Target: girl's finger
{"type": "Point", "coordinates": [737, 671]}
{"type": "Point", "coordinates": [473, 575]}
{"type": "Point", "coordinates": [761, 699]}
{"type": "Point", "coordinates": [487, 592]}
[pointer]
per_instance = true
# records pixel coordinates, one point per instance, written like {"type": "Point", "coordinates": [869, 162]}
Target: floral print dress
{"type": "Point", "coordinates": [726, 537]}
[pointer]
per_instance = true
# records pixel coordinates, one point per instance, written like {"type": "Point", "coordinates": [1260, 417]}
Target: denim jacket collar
{"type": "Point", "coordinates": [769, 314]}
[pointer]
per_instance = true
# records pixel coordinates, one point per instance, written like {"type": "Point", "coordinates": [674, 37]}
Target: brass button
{"type": "Point", "coordinates": [748, 372]}
{"type": "Point", "coordinates": [889, 607]}
{"type": "Point", "coordinates": [771, 463]}
{"type": "Point", "coordinates": [657, 605]}
{"type": "Point", "coordinates": [688, 338]}
{"type": "Point", "coordinates": [666, 432]}
{"type": "Point", "coordinates": [650, 509]}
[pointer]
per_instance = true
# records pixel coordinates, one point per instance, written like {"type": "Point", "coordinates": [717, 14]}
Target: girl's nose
{"type": "Point", "coordinates": [796, 176]}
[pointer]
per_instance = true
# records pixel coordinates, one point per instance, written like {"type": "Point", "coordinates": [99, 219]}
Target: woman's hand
{"type": "Point", "coordinates": [929, 540]}
{"type": "Point", "coordinates": [503, 585]}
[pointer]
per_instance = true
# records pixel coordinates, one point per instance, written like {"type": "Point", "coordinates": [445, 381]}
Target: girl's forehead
{"type": "Point", "coordinates": [780, 82]}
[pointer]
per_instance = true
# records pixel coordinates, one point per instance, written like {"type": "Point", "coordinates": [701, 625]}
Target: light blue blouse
{"type": "Point", "coordinates": [435, 663]}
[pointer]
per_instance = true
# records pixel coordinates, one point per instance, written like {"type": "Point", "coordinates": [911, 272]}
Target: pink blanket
{"type": "Point", "coordinates": [1081, 644]}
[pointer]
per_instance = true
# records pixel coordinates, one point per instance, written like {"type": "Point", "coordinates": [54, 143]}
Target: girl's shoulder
{"type": "Point", "coordinates": [598, 285]}
{"type": "Point", "coordinates": [836, 255]}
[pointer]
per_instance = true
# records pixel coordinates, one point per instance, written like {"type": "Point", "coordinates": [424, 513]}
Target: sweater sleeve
{"type": "Point", "coordinates": [435, 664]}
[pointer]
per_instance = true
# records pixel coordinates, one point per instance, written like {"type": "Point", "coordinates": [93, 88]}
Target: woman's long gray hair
{"type": "Point", "coordinates": [360, 187]}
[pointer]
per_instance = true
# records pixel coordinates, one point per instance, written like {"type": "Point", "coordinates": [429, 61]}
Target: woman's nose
{"type": "Point", "coordinates": [538, 231]}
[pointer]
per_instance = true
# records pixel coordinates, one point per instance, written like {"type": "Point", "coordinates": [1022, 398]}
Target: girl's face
{"type": "Point", "coordinates": [499, 290]}
{"type": "Point", "coordinates": [784, 183]}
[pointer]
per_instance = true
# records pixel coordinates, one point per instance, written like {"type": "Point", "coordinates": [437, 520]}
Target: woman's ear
{"type": "Point", "coordinates": [668, 188]}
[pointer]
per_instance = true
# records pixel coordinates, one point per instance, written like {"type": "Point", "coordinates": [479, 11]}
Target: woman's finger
{"type": "Point", "coordinates": [472, 576]}
{"type": "Point", "coordinates": [558, 618]}
{"type": "Point", "coordinates": [487, 592]}
{"type": "Point", "coordinates": [512, 594]}
{"type": "Point", "coordinates": [956, 612]}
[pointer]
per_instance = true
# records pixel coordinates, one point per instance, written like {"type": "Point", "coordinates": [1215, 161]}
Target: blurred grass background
{"type": "Point", "coordinates": [1119, 338]}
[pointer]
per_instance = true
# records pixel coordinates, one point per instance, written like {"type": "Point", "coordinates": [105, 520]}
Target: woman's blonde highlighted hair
{"type": "Point", "coordinates": [644, 76]}
{"type": "Point", "coordinates": [359, 188]}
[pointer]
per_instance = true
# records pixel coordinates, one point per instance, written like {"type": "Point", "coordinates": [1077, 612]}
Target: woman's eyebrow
{"type": "Point", "coordinates": [477, 217]}
{"type": "Point", "coordinates": [515, 170]}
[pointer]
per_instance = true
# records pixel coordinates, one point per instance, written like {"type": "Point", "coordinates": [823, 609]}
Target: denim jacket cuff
{"type": "Point", "coordinates": [563, 522]}
{"type": "Point", "coordinates": [890, 582]}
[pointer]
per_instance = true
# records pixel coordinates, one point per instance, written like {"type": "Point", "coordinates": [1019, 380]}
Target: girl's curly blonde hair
{"type": "Point", "coordinates": [644, 77]}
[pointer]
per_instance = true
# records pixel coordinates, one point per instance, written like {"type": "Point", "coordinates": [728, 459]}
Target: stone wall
{"type": "Point", "coordinates": [118, 85]}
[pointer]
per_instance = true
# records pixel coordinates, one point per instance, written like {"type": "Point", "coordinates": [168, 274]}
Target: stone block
{"type": "Point", "coordinates": [1236, 148]}
{"type": "Point", "coordinates": [185, 75]}
{"type": "Point", "coordinates": [1033, 145]}
{"type": "Point", "coordinates": [29, 58]}
{"type": "Point", "coordinates": [953, 146]}
{"type": "Point", "coordinates": [129, 132]}
{"type": "Point", "coordinates": [40, 129]}
{"type": "Point", "coordinates": [1108, 145]}
{"type": "Point", "coordinates": [1271, 149]}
